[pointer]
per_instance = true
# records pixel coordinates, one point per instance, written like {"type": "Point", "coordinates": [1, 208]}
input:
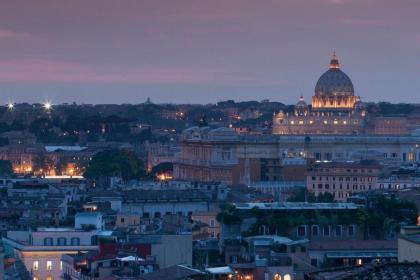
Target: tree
{"type": "Point", "coordinates": [301, 195]}
{"type": "Point", "coordinates": [42, 163]}
{"type": "Point", "coordinates": [325, 197]}
{"type": "Point", "coordinates": [228, 215]}
{"type": "Point", "coordinates": [121, 163]}
{"type": "Point", "coordinates": [6, 168]}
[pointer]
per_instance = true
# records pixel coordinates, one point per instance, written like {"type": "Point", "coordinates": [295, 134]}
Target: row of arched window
{"type": "Point", "coordinates": [62, 241]}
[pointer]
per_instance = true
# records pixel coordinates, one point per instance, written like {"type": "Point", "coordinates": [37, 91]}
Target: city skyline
{"type": "Point", "coordinates": [189, 52]}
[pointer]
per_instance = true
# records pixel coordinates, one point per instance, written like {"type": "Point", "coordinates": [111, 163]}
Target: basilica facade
{"type": "Point", "coordinates": [335, 108]}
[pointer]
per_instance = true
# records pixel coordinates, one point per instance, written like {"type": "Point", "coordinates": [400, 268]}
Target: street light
{"type": "Point", "coordinates": [47, 105]}
{"type": "Point", "coordinates": [10, 106]}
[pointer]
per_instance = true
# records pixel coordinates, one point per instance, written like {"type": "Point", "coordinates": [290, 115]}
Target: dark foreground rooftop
{"type": "Point", "coordinates": [371, 271]}
{"type": "Point", "coordinates": [176, 272]}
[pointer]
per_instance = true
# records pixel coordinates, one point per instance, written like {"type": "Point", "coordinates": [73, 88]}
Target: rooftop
{"type": "Point", "coordinates": [371, 271]}
{"type": "Point", "coordinates": [176, 272]}
{"type": "Point", "coordinates": [88, 214]}
{"type": "Point", "coordinates": [296, 206]}
{"type": "Point", "coordinates": [415, 238]}
{"type": "Point", "coordinates": [64, 148]}
{"type": "Point", "coordinates": [269, 239]}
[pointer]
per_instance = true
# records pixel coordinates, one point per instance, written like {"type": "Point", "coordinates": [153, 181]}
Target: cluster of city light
{"type": "Point", "coordinates": [47, 105]}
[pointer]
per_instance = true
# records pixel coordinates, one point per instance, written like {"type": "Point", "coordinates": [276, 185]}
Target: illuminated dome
{"type": "Point", "coordinates": [334, 82]}
{"type": "Point", "coordinates": [334, 89]}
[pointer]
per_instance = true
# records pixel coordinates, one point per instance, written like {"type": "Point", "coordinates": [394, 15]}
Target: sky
{"type": "Point", "coordinates": [204, 51]}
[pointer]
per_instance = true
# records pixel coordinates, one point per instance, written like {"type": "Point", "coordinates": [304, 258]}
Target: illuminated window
{"type": "Point", "coordinates": [325, 122]}
{"type": "Point", "coordinates": [292, 122]}
{"type": "Point", "coordinates": [311, 121]}
{"type": "Point", "coordinates": [344, 122]}
{"type": "Point", "coordinates": [300, 121]}
{"type": "Point", "coordinates": [335, 122]}
{"type": "Point", "coordinates": [35, 265]}
{"type": "Point", "coordinates": [49, 265]}
{"type": "Point", "coordinates": [61, 265]}
{"type": "Point", "coordinates": [35, 278]}
{"type": "Point", "coordinates": [277, 276]}
{"type": "Point", "coordinates": [411, 156]}
{"type": "Point", "coordinates": [359, 262]}
{"type": "Point", "coordinates": [49, 277]}
{"type": "Point", "coordinates": [287, 277]}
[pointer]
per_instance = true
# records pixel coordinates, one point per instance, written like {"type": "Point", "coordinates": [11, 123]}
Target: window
{"type": "Point", "coordinates": [287, 277]}
{"type": "Point", "coordinates": [326, 230]}
{"type": "Point", "coordinates": [48, 241]}
{"type": "Point", "coordinates": [302, 230]}
{"type": "Point", "coordinates": [351, 230]}
{"type": "Point", "coordinates": [122, 220]}
{"type": "Point", "coordinates": [49, 265]}
{"type": "Point", "coordinates": [61, 241]}
{"type": "Point", "coordinates": [338, 231]}
{"type": "Point", "coordinates": [35, 265]}
{"type": "Point", "coordinates": [49, 277]}
{"type": "Point", "coordinates": [315, 230]}
{"type": "Point", "coordinates": [314, 262]}
{"type": "Point", "coordinates": [75, 241]}
{"type": "Point", "coordinates": [61, 265]}
{"type": "Point", "coordinates": [212, 223]}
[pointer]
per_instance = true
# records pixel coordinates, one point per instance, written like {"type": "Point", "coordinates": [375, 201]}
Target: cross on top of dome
{"type": "Point", "coordinates": [334, 64]}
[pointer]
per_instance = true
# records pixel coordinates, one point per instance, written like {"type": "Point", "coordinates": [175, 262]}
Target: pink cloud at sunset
{"type": "Point", "coordinates": [4, 33]}
{"type": "Point", "coordinates": [43, 70]}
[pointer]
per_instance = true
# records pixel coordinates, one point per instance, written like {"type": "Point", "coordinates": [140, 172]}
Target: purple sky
{"type": "Point", "coordinates": [199, 51]}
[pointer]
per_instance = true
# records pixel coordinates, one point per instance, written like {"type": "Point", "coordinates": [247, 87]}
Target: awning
{"type": "Point", "coordinates": [130, 259]}
{"type": "Point", "coordinates": [219, 270]}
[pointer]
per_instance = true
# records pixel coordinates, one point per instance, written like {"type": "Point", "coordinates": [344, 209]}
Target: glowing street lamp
{"type": "Point", "coordinates": [47, 105]}
{"type": "Point", "coordinates": [10, 106]}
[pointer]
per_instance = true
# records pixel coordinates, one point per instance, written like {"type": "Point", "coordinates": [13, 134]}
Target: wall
{"type": "Point", "coordinates": [173, 250]}
{"type": "Point", "coordinates": [408, 250]}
